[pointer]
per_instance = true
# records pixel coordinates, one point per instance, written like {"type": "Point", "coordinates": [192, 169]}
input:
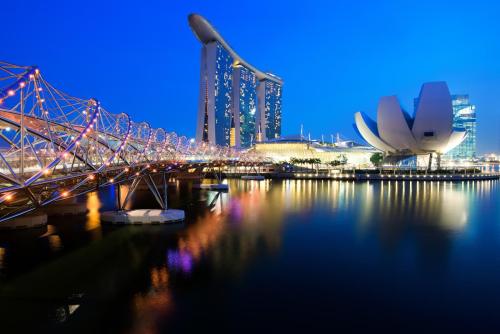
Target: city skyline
{"type": "Point", "coordinates": [337, 58]}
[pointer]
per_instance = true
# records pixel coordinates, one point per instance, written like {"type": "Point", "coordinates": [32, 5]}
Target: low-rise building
{"type": "Point", "coordinates": [288, 148]}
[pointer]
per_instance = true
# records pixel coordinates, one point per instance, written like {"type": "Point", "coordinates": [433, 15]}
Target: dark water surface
{"type": "Point", "coordinates": [272, 256]}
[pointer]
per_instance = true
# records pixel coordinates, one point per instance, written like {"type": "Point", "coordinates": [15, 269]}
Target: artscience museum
{"type": "Point", "coordinates": [399, 135]}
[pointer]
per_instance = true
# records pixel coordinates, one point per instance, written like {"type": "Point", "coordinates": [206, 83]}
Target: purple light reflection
{"type": "Point", "coordinates": [178, 260]}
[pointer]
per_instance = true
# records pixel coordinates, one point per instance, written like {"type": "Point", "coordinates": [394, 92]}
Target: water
{"type": "Point", "coordinates": [313, 256]}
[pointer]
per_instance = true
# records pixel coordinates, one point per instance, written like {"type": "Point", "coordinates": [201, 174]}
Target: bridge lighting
{"type": "Point", "coordinates": [137, 174]}
{"type": "Point", "coordinates": [40, 89]}
{"type": "Point", "coordinates": [77, 143]}
{"type": "Point", "coordinates": [7, 129]}
{"type": "Point", "coordinates": [8, 197]}
{"type": "Point", "coordinates": [65, 194]}
{"type": "Point", "coordinates": [46, 172]}
{"type": "Point", "coordinates": [91, 177]}
{"type": "Point", "coordinates": [37, 71]}
{"type": "Point", "coordinates": [127, 169]}
{"type": "Point", "coordinates": [11, 92]}
{"type": "Point", "coordinates": [154, 170]}
{"type": "Point", "coordinates": [111, 180]}
{"type": "Point", "coordinates": [22, 84]}
{"type": "Point", "coordinates": [32, 76]}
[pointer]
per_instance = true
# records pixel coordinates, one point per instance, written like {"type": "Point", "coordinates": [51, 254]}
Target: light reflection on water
{"type": "Point", "coordinates": [259, 239]}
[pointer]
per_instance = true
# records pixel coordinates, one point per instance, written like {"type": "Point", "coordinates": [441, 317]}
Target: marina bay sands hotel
{"type": "Point", "coordinates": [238, 104]}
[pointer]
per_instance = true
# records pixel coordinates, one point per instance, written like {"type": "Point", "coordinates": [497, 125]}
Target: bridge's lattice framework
{"type": "Point", "coordinates": [55, 146]}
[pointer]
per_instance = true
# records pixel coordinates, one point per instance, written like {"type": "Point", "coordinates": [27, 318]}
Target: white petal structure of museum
{"type": "Point", "coordinates": [430, 130]}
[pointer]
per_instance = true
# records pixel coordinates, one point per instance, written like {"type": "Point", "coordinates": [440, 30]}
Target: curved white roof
{"type": "Point", "coordinates": [369, 133]}
{"type": "Point", "coordinates": [429, 131]}
{"type": "Point", "coordinates": [455, 139]}
{"type": "Point", "coordinates": [206, 33]}
{"type": "Point", "coordinates": [393, 126]}
{"type": "Point", "coordinates": [434, 115]}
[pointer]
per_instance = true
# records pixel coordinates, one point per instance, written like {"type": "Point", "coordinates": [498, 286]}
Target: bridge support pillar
{"type": "Point", "coordinates": [144, 216]}
{"type": "Point", "coordinates": [68, 209]}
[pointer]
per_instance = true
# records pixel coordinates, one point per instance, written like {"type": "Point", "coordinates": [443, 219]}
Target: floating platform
{"type": "Point", "coordinates": [253, 177]}
{"type": "Point", "coordinates": [66, 209]}
{"type": "Point", "coordinates": [211, 186]}
{"type": "Point", "coordinates": [143, 217]}
{"type": "Point", "coordinates": [31, 220]}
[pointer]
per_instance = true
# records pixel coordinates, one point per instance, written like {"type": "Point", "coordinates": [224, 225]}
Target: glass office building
{"type": "Point", "coordinates": [215, 111]}
{"type": "Point", "coordinates": [464, 116]}
{"type": "Point", "coordinates": [245, 107]}
{"type": "Point", "coordinates": [270, 108]}
{"type": "Point", "coordinates": [223, 94]}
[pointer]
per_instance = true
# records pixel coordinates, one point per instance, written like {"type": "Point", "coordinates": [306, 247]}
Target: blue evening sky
{"type": "Point", "coordinates": [336, 57]}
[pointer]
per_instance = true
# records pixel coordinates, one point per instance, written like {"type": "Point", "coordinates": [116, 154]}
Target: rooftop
{"type": "Point", "coordinates": [206, 33]}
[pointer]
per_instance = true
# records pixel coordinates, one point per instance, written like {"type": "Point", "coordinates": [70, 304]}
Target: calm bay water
{"type": "Point", "coordinates": [266, 256]}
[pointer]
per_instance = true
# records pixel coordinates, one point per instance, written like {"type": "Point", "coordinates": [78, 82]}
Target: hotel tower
{"type": "Point", "coordinates": [238, 104]}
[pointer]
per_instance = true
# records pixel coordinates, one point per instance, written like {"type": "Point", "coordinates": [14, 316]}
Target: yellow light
{"type": "Point", "coordinates": [111, 180]}
{"type": "Point", "coordinates": [65, 194]}
{"type": "Point", "coordinates": [46, 172]}
{"type": "Point", "coordinates": [11, 93]}
{"type": "Point", "coordinates": [91, 177]}
{"type": "Point", "coordinates": [8, 197]}
{"type": "Point", "coordinates": [127, 169]}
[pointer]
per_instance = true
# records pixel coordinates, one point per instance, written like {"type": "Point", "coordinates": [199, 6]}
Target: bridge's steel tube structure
{"type": "Point", "coordinates": [55, 146]}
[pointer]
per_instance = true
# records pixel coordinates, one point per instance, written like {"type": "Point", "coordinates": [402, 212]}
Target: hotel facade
{"type": "Point", "coordinates": [238, 104]}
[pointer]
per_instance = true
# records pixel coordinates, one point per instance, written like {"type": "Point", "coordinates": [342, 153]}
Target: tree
{"type": "Point", "coordinates": [376, 158]}
{"type": "Point", "coordinates": [342, 160]}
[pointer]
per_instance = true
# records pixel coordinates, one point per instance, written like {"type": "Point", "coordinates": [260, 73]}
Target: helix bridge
{"type": "Point", "coordinates": [55, 146]}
